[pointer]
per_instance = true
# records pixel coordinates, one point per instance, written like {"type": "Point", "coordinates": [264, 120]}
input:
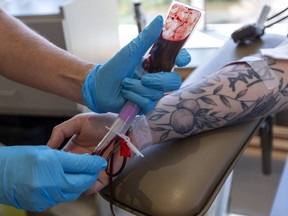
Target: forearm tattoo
{"type": "Point", "coordinates": [234, 94]}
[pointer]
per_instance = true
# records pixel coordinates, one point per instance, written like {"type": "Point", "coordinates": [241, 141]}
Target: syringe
{"type": "Point", "coordinates": [120, 125]}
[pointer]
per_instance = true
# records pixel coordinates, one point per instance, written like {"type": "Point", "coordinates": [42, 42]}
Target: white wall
{"type": "Point", "coordinates": [91, 28]}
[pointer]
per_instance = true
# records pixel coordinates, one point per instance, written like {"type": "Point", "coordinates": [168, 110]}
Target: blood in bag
{"type": "Point", "coordinates": [177, 28]}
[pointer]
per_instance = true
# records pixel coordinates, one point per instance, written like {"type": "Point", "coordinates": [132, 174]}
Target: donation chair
{"type": "Point", "coordinates": [184, 176]}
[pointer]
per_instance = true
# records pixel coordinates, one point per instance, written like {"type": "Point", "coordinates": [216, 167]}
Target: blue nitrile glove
{"type": "Point", "coordinates": [102, 89]}
{"type": "Point", "coordinates": [38, 177]}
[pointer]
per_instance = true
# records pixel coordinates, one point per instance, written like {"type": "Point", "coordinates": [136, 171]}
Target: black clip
{"type": "Point", "coordinates": [247, 33]}
{"type": "Point", "coordinates": [252, 32]}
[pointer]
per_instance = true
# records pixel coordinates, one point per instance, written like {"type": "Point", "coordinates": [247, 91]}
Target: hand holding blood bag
{"type": "Point", "coordinates": [103, 90]}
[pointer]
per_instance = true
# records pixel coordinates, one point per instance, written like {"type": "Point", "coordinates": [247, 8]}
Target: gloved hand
{"type": "Point", "coordinates": [38, 177]}
{"type": "Point", "coordinates": [108, 86]}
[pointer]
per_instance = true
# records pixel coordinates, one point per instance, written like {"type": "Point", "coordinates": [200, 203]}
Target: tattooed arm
{"type": "Point", "coordinates": [236, 93]}
{"type": "Point", "coordinates": [233, 94]}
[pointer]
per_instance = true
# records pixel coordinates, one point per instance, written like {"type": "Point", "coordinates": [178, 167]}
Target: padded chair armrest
{"type": "Point", "coordinates": [183, 177]}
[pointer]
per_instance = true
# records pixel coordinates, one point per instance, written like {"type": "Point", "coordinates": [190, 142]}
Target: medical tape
{"type": "Point", "coordinates": [141, 132]}
{"type": "Point", "coordinates": [260, 66]}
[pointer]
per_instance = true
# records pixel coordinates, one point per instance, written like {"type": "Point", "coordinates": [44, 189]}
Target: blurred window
{"type": "Point", "coordinates": [217, 11]}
